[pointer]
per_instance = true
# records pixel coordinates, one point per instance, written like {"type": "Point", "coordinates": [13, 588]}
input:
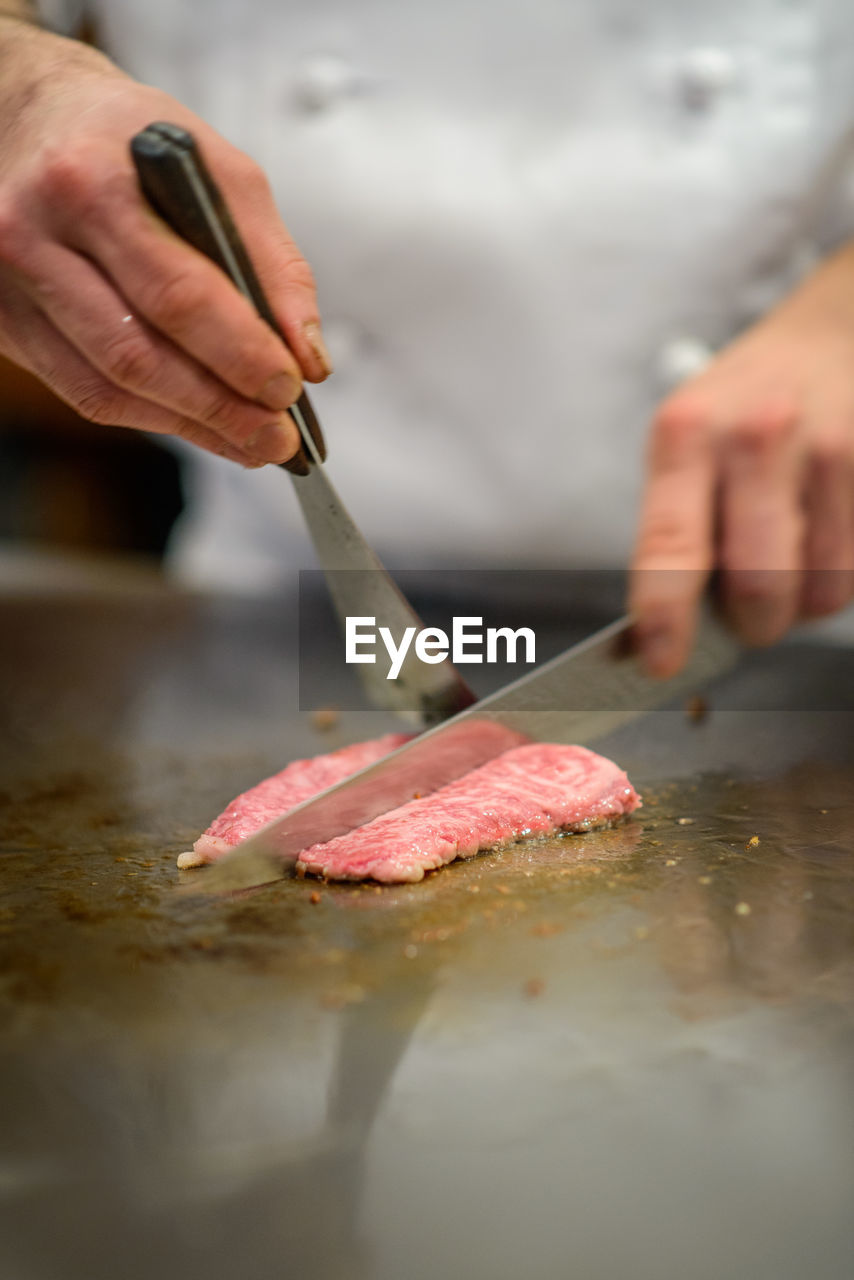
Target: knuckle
{"type": "Point", "coordinates": [67, 175]}
{"type": "Point", "coordinates": [223, 412]}
{"type": "Point", "coordinates": [202, 438]}
{"type": "Point", "coordinates": [765, 428]}
{"type": "Point", "coordinates": [665, 536]}
{"type": "Point", "coordinates": [191, 431]}
{"type": "Point", "coordinates": [678, 422]}
{"type": "Point", "coordinates": [175, 301]}
{"type": "Point", "coordinates": [291, 273]}
{"type": "Point", "coordinates": [129, 362]}
{"type": "Point", "coordinates": [96, 403]}
{"type": "Point", "coordinates": [250, 363]}
{"type": "Point", "coordinates": [298, 274]}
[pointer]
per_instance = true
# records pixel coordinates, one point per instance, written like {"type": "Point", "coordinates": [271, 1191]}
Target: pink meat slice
{"type": "Point", "coordinates": [533, 790]}
{"type": "Point", "coordinates": [301, 780]}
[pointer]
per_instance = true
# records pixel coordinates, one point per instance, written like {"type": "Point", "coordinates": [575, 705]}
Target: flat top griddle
{"type": "Point", "coordinates": [627, 1053]}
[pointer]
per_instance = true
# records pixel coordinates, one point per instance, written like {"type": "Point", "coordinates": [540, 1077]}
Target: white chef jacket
{"type": "Point", "coordinates": [527, 222]}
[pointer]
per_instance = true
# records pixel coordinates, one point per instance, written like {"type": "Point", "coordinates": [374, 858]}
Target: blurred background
{"type": "Point", "coordinates": [70, 485]}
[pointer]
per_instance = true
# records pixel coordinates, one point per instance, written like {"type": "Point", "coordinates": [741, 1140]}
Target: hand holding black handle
{"type": "Point", "coordinates": [178, 185]}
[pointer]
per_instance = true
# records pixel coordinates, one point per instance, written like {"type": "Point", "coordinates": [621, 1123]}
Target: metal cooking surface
{"type": "Point", "coordinates": [627, 1053]}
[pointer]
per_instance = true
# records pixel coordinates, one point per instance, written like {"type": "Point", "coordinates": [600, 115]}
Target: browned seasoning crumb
{"type": "Point", "coordinates": [314, 897]}
{"type": "Point", "coordinates": [752, 842]}
{"type": "Point", "coordinates": [534, 987]}
{"type": "Point", "coordinates": [339, 997]}
{"type": "Point", "coordinates": [416, 795]}
{"type": "Point", "coordinates": [546, 929]}
{"type": "Point", "coordinates": [696, 708]}
{"type": "Point", "coordinates": [325, 718]}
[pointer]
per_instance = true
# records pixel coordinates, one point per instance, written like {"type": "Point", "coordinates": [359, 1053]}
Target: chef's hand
{"type": "Point", "coordinates": [751, 472]}
{"type": "Point", "coordinates": [100, 300]}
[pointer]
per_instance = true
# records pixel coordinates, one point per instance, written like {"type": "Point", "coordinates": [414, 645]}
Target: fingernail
{"type": "Point", "coordinates": [279, 392]}
{"type": "Point", "coordinates": [314, 338]}
{"type": "Point", "coordinates": [275, 442]}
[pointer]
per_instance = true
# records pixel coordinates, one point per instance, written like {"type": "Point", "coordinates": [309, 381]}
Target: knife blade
{"type": "Point", "coordinates": [578, 697]}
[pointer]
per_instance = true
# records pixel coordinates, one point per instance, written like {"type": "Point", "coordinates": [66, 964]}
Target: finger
{"type": "Point", "coordinates": [285, 276]}
{"type": "Point", "coordinates": [48, 354]}
{"type": "Point", "coordinates": [179, 291]}
{"type": "Point", "coordinates": [673, 555]}
{"type": "Point", "coordinates": [762, 523]}
{"type": "Point", "coordinates": [829, 543]}
{"type": "Point", "coordinates": [85, 307]}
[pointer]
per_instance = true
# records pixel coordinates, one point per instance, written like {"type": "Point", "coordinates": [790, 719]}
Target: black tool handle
{"type": "Point", "coordinates": [178, 185]}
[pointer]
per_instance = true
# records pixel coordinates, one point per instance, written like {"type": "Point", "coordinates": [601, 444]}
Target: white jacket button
{"type": "Point", "coordinates": [680, 359]}
{"type": "Point", "coordinates": [705, 74]}
{"type": "Point", "coordinates": [322, 81]}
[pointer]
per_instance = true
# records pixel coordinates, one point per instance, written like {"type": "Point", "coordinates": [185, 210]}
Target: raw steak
{"type": "Point", "coordinates": [528, 791]}
{"type": "Point", "coordinates": [274, 796]}
{"type": "Point", "coordinates": [533, 790]}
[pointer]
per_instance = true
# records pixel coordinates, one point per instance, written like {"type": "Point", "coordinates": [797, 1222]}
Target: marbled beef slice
{"type": "Point", "coordinates": [253, 809]}
{"type": "Point", "coordinates": [533, 790]}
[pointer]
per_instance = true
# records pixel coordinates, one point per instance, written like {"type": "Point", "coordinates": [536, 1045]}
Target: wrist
{"type": "Point", "coordinates": [35, 63]}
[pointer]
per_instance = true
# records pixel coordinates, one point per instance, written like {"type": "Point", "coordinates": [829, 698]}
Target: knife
{"type": "Point", "coordinates": [176, 182]}
{"type": "Point", "coordinates": [580, 696]}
